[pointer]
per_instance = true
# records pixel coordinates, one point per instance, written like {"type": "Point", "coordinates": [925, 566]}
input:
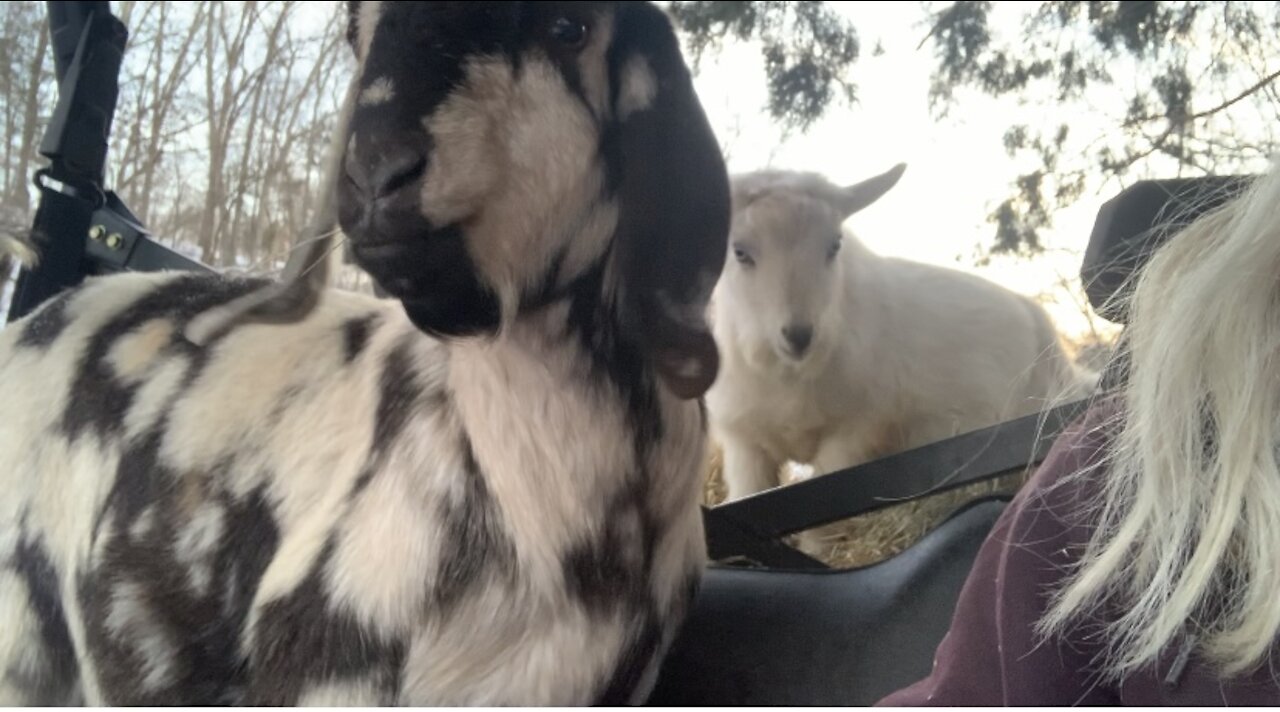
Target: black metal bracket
{"type": "Point", "coordinates": [117, 241]}
{"type": "Point", "coordinates": [731, 542]}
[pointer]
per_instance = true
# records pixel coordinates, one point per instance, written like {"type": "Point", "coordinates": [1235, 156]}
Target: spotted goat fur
{"type": "Point", "coordinates": [482, 491]}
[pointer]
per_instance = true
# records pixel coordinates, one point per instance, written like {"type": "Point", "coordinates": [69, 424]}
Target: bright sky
{"type": "Point", "coordinates": [957, 168]}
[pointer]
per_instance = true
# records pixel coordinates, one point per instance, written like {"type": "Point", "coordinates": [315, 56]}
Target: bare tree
{"type": "Point", "coordinates": [26, 87]}
{"type": "Point", "coordinates": [36, 79]}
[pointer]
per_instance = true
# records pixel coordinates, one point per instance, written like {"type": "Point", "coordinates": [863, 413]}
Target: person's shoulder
{"type": "Point", "coordinates": [1078, 456]}
{"type": "Point", "coordinates": [1057, 500]}
{"type": "Point", "coordinates": [992, 654]}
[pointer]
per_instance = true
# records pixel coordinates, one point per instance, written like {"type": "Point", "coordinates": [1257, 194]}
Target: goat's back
{"type": "Point", "coordinates": [963, 343]}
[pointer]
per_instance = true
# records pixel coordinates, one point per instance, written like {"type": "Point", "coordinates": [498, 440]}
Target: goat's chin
{"type": "Point", "coordinates": [771, 357]}
{"type": "Point", "coordinates": [453, 318]}
{"type": "Point", "coordinates": [758, 355]}
{"type": "Point", "coordinates": [765, 356]}
{"type": "Point", "coordinates": [434, 277]}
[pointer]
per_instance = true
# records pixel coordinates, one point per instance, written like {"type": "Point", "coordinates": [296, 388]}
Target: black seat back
{"type": "Point", "coordinates": [773, 637]}
{"type": "Point", "coordinates": [1129, 228]}
{"type": "Point", "coordinates": [1137, 221]}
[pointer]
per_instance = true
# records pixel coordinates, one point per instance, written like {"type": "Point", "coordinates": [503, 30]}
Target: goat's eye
{"type": "Point", "coordinates": [833, 250]}
{"type": "Point", "coordinates": [743, 256]}
{"type": "Point", "coordinates": [570, 33]}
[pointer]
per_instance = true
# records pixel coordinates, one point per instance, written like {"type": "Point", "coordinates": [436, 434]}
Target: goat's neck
{"type": "Point", "coordinates": [555, 443]}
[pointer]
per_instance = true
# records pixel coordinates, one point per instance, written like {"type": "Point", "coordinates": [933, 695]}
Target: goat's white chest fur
{"type": "Point", "coordinates": [339, 511]}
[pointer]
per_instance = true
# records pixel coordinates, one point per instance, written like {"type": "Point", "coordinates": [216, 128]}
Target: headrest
{"type": "Point", "coordinates": [1130, 226]}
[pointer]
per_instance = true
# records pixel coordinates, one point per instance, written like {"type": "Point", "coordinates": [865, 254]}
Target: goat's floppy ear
{"type": "Point", "coordinates": [673, 218]}
{"type": "Point", "coordinates": [860, 195]}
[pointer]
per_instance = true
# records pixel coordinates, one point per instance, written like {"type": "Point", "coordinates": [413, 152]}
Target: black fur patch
{"type": "Point", "coordinates": [250, 543]}
{"type": "Point", "coordinates": [669, 179]}
{"type": "Point", "coordinates": [598, 577]}
{"type": "Point", "coordinates": [476, 542]}
{"type": "Point", "coordinates": [399, 395]}
{"type": "Point", "coordinates": [288, 397]}
{"type": "Point", "coordinates": [301, 640]}
{"type": "Point", "coordinates": [610, 570]}
{"type": "Point", "coordinates": [609, 151]}
{"type": "Point", "coordinates": [634, 659]}
{"type": "Point", "coordinates": [610, 576]}
{"type": "Point", "coordinates": [536, 29]}
{"type": "Point", "coordinates": [355, 335]}
{"type": "Point", "coordinates": [204, 628]}
{"type": "Point", "coordinates": [34, 568]}
{"type": "Point", "coordinates": [546, 292]}
{"type": "Point", "coordinates": [140, 480]}
{"type": "Point", "coordinates": [101, 401]}
{"type": "Point", "coordinates": [615, 357]}
{"type": "Point", "coordinates": [362, 481]}
{"type": "Point", "coordinates": [353, 22]}
{"type": "Point", "coordinates": [44, 327]}
{"type": "Point", "coordinates": [118, 672]}
{"type": "Point", "coordinates": [432, 273]}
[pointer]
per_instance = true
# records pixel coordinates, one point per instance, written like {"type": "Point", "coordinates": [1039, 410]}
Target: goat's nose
{"type": "Point", "coordinates": [798, 337]}
{"type": "Point", "coordinates": [379, 173]}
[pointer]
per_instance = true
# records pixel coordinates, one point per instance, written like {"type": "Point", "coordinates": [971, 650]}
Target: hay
{"type": "Point", "coordinates": [874, 537]}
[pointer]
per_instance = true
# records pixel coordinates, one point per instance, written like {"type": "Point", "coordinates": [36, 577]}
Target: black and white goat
{"type": "Point", "coordinates": [482, 492]}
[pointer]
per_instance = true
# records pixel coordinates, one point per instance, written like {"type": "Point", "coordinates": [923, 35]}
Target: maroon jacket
{"type": "Point", "coordinates": [992, 657]}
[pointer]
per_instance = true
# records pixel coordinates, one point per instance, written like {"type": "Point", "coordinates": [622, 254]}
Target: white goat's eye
{"type": "Point", "coordinates": [743, 256]}
{"type": "Point", "coordinates": [570, 33]}
{"type": "Point", "coordinates": [833, 250]}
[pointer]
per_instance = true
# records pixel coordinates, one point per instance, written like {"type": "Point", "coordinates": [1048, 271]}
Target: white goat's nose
{"type": "Point", "coordinates": [798, 337]}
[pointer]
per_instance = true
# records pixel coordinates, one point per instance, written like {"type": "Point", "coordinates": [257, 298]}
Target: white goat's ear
{"type": "Point", "coordinates": [859, 195]}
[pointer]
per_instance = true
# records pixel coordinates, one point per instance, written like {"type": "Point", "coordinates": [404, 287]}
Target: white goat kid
{"type": "Point", "coordinates": [343, 509]}
{"type": "Point", "coordinates": [833, 356]}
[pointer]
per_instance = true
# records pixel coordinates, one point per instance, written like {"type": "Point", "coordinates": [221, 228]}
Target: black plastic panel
{"type": "Point", "coordinates": [775, 637]}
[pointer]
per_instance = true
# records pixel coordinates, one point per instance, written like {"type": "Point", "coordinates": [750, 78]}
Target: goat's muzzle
{"type": "Point", "coordinates": [427, 267]}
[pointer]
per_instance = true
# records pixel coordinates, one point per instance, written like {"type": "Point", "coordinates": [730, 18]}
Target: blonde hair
{"type": "Point", "coordinates": [1186, 544]}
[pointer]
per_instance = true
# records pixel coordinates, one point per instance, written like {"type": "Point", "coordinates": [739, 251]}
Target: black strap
{"type": "Point", "coordinates": [88, 47]}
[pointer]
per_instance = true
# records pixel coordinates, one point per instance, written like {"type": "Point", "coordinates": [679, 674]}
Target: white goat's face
{"type": "Point", "coordinates": [501, 153]}
{"type": "Point", "coordinates": [785, 283]}
{"type": "Point", "coordinates": [784, 274]}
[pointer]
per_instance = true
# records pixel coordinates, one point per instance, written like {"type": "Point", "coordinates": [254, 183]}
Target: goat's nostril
{"type": "Point", "coordinates": [395, 172]}
{"type": "Point", "coordinates": [798, 337]}
{"type": "Point", "coordinates": [382, 174]}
